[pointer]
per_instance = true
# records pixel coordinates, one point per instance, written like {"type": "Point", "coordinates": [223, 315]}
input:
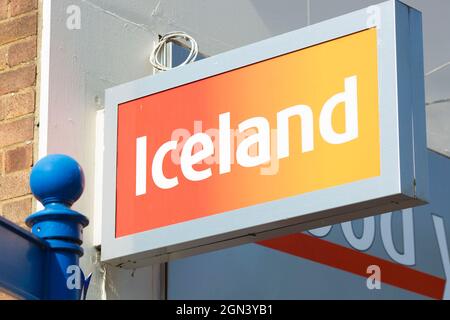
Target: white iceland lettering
{"type": "Point", "coordinates": [141, 166]}
{"type": "Point", "coordinates": [350, 98]}
{"type": "Point", "coordinates": [200, 148]}
{"type": "Point", "coordinates": [261, 139]}
{"type": "Point", "coordinates": [157, 166]}
{"type": "Point", "coordinates": [189, 157]}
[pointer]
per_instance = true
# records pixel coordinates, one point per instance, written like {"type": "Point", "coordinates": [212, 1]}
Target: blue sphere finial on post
{"type": "Point", "coordinates": [57, 178]}
{"type": "Point", "coordinates": [57, 181]}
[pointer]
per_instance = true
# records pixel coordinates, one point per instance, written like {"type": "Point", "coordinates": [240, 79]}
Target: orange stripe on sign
{"type": "Point", "coordinates": [346, 259]}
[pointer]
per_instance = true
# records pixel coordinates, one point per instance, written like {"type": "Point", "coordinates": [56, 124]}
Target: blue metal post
{"type": "Point", "coordinates": [57, 181]}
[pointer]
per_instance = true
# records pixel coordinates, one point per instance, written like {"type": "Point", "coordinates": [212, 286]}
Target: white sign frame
{"type": "Point", "coordinates": [403, 179]}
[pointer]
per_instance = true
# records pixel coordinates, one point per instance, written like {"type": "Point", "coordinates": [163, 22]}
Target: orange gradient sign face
{"type": "Point", "coordinates": [294, 124]}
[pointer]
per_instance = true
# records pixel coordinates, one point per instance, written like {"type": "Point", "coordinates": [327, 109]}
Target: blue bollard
{"type": "Point", "coordinates": [57, 181]}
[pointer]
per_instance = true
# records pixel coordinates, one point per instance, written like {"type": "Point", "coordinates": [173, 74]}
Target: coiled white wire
{"type": "Point", "coordinates": [170, 37]}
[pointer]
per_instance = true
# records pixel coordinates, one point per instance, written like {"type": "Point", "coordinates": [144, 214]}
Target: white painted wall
{"type": "Point", "coordinates": [112, 46]}
{"type": "Point", "coordinates": [105, 51]}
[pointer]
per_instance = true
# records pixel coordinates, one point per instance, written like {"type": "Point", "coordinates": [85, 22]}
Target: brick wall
{"type": "Point", "coordinates": [18, 51]}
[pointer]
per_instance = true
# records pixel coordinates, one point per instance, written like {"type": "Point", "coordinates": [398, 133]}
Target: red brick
{"type": "Point", "coordinates": [1, 163]}
{"type": "Point", "coordinates": [22, 52]}
{"type": "Point", "coordinates": [17, 211]}
{"type": "Point", "coordinates": [15, 80]}
{"type": "Point", "coordinates": [18, 28]}
{"type": "Point", "coordinates": [3, 9]}
{"type": "Point", "coordinates": [14, 105]}
{"type": "Point", "coordinates": [14, 185]}
{"type": "Point", "coordinates": [19, 158]}
{"type": "Point", "coordinates": [21, 130]}
{"type": "Point", "coordinates": [21, 6]}
{"type": "Point", "coordinates": [3, 58]}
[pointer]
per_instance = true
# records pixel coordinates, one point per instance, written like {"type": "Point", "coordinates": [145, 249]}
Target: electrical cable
{"type": "Point", "coordinates": [170, 37]}
{"type": "Point", "coordinates": [438, 102]}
